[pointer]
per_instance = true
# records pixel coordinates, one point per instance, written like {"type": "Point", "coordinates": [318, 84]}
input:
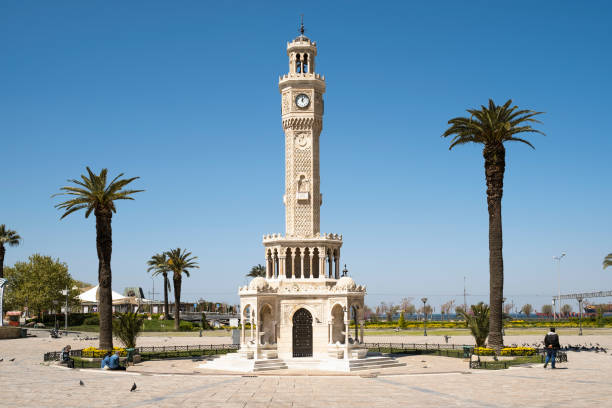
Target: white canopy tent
{"type": "Point", "coordinates": [91, 295]}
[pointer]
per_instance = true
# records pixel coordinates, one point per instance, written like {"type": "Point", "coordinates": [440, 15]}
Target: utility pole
{"type": "Point", "coordinates": [464, 297]}
{"type": "Point", "coordinates": [558, 259]}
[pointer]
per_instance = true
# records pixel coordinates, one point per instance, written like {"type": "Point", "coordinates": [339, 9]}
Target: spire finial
{"type": "Point", "coordinates": [302, 24]}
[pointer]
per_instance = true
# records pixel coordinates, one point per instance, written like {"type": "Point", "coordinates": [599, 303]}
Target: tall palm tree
{"type": "Point", "coordinates": [179, 262]}
{"type": "Point", "coordinates": [491, 127]}
{"type": "Point", "coordinates": [257, 270]}
{"type": "Point", "coordinates": [93, 194]}
{"type": "Point", "coordinates": [607, 261]}
{"type": "Point", "coordinates": [159, 265]}
{"type": "Point", "coordinates": [10, 238]}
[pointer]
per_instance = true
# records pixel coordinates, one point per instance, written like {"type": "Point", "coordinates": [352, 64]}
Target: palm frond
{"type": "Point", "coordinates": [92, 192]}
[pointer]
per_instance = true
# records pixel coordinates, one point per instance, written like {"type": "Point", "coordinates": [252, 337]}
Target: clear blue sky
{"type": "Point", "coordinates": [184, 95]}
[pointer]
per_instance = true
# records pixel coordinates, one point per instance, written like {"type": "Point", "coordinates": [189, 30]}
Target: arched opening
{"type": "Point", "coordinates": [330, 263]}
{"type": "Point", "coordinates": [244, 318]}
{"type": "Point", "coordinates": [305, 63]}
{"type": "Point", "coordinates": [336, 264]}
{"type": "Point", "coordinates": [275, 261]}
{"type": "Point", "coordinates": [288, 268]}
{"type": "Point", "coordinates": [315, 263]}
{"type": "Point", "coordinates": [355, 318]}
{"type": "Point", "coordinates": [337, 332]}
{"type": "Point", "coordinates": [297, 264]}
{"type": "Point", "coordinates": [298, 64]}
{"type": "Point", "coordinates": [307, 263]}
{"type": "Point", "coordinates": [302, 333]}
{"type": "Point", "coordinates": [267, 332]}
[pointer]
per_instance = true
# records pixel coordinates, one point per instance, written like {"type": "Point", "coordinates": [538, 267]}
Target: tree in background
{"type": "Point", "coordinates": [10, 238]}
{"type": "Point", "coordinates": [392, 310]}
{"type": "Point", "coordinates": [478, 322]}
{"type": "Point", "coordinates": [406, 306]}
{"type": "Point", "coordinates": [491, 127]}
{"type": "Point", "coordinates": [459, 310]}
{"type": "Point", "coordinates": [257, 270]}
{"type": "Point", "coordinates": [606, 262]}
{"type": "Point", "coordinates": [547, 310]}
{"type": "Point", "coordinates": [179, 263]}
{"type": "Point", "coordinates": [92, 194]}
{"type": "Point", "coordinates": [38, 283]}
{"type": "Point", "coordinates": [159, 265]}
{"type": "Point", "coordinates": [566, 310]}
{"type": "Point", "coordinates": [447, 307]}
{"type": "Point", "coordinates": [527, 309]}
{"type": "Point", "coordinates": [508, 308]}
{"type": "Point", "coordinates": [382, 309]}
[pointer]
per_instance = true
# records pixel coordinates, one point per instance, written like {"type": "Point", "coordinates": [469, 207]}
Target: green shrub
{"type": "Point", "coordinates": [92, 321]}
{"type": "Point", "coordinates": [186, 326]}
{"type": "Point", "coordinates": [127, 327]}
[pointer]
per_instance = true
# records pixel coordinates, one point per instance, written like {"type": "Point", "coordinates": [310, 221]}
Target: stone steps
{"type": "Point", "coordinates": [271, 364]}
{"type": "Point", "coordinates": [374, 363]}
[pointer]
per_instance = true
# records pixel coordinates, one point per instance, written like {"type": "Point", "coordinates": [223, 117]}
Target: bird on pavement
{"type": "Point", "coordinates": [133, 387]}
{"type": "Point", "coordinates": [81, 383]}
{"type": "Point", "coordinates": [12, 359]}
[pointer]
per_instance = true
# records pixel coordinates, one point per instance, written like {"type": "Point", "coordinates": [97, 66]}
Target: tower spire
{"type": "Point", "coordinates": [302, 24]}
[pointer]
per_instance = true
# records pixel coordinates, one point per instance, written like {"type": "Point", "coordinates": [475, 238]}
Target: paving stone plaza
{"type": "Point", "coordinates": [585, 381]}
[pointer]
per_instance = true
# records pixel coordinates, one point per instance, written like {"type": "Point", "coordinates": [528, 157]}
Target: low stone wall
{"type": "Point", "coordinates": [9, 332]}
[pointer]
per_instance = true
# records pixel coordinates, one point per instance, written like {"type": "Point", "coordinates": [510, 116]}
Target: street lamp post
{"type": "Point", "coordinates": [558, 259]}
{"type": "Point", "coordinates": [580, 299]}
{"type": "Point", "coordinates": [424, 300]}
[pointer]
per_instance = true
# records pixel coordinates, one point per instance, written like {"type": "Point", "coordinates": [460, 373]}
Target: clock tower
{"type": "Point", "coordinates": [302, 116]}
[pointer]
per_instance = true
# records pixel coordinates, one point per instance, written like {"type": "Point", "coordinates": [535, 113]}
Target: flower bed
{"type": "Point", "coordinates": [93, 352]}
{"type": "Point", "coordinates": [506, 351]}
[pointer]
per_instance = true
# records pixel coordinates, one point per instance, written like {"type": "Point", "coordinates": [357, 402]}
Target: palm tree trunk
{"type": "Point", "coordinates": [495, 163]}
{"type": "Point", "coordinates": [177, 301]}
{"type": "Point", "coordinates": [104, 244]}
{"type": "Point", "coordinates": [2, 252]}
{"type": "Point", "coordinates": [166, 283]}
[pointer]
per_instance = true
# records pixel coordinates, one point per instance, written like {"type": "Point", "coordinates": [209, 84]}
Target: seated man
{"type": "Point", "coordinates": [113, 362]}
{"type": "Point", "coordinates": [105, 362]}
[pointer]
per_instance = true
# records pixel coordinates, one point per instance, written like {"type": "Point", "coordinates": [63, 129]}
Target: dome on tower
{"type": "Point", "coordinates": [346, 283]}
{"type": "Point", "coordinates": [258, 284]}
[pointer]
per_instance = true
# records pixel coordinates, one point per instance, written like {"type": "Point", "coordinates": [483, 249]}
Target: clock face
{"type": "Point", "coordinates": [302, 100]}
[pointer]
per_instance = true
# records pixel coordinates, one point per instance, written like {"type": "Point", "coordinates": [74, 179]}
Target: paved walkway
{"type": "Point", "coordinates": [427, 380]}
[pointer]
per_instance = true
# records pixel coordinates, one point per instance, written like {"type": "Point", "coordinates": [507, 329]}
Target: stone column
{"type": "Point", "coordinates": [302, 256]}
{"type": "Point", "coordinates": [361, 324]}
{"type": "Point", "coordinates": [310, 258]}
{"type": "Point", "coordinates": [329, 333]}
{"type": "Point", "coordinates": [330, 261]}
{"type": "Point", "coordinates": [274, 266]}
{"type": "Point", "coordinates": [243, 321]}
{"type": "Point", "coordinates": [267, 264]}
{"type": "Point", "coordinates": [292, 274]}
{"type": "Point", "coordinates": [252, 322]}
{"type": "Point", "coordinates": [281, 267]}
{"type": "Point", "coordinates": [321, 263]}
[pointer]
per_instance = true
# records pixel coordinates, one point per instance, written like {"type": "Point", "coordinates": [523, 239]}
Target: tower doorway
{"type": "Point", "coordinates": [302, 333]}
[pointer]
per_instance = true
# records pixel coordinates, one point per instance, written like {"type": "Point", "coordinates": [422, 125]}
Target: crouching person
{"type": "Point", "coordinates": [66, 357]}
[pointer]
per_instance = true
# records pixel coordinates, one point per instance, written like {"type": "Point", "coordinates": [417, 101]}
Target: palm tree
{"type": "Point", "coordinates": [492, 126]}
{"type": "Point", "coordinates": [257, 270]}
{"type": "Point", "coordinates": [478, 321]}
{"type": "Point", "coordinates": [10, 238]}
{"type": "Point", "coordinates": [607, 261]}
{"type": "Point", "coordinates": [179, 262]}
{"type": "Point", "coordinates": [159, 265]}
{"type": "Point", "coordinates": [92, 194]}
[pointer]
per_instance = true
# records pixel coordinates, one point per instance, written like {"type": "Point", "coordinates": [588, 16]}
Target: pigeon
{"type": "Point", "coordinates": [1, 360]}
{"type": "Point", "coordinates": [12, 359]}
{"type": "Point", "coordinates": [133, 387]}
{"type": "Point", "coordinates": [81, 383]}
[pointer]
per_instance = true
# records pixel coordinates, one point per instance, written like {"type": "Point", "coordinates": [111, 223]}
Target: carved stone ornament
{"type": "Point", "coordinates": [302, 141]}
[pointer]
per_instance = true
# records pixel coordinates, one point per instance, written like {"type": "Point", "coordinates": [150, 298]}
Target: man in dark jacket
{"type": "Point", "coordinates": [551, 342]}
